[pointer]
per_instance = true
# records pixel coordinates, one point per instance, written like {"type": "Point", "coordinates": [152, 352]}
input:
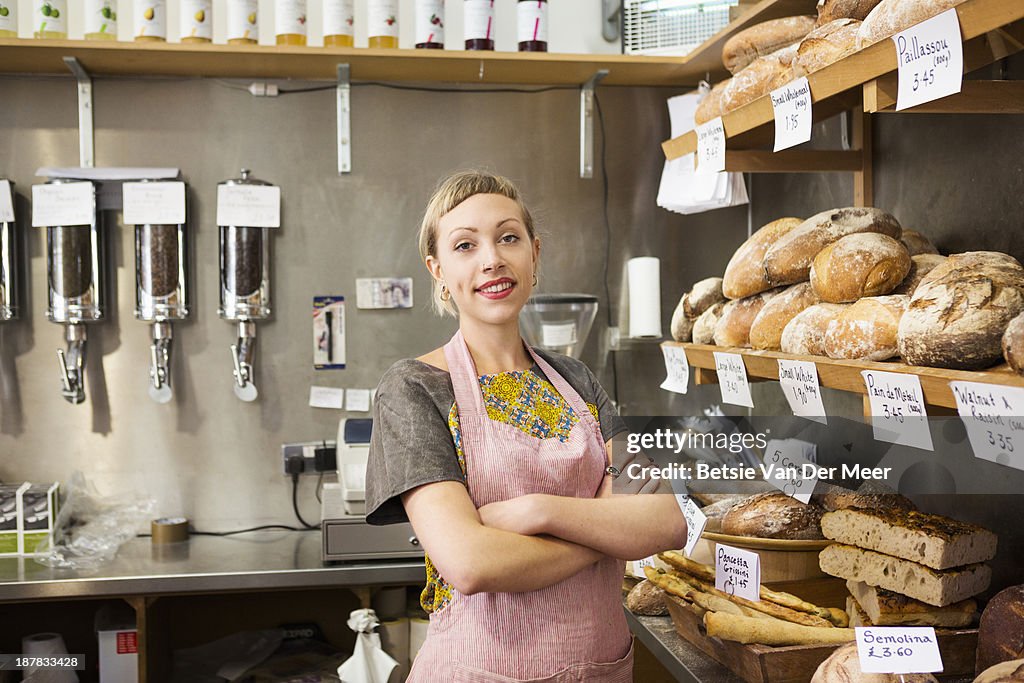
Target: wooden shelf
{"type": "Point", "coordinates": [992, 30]}
{"type": "Point", "coordinates": [845, 374]}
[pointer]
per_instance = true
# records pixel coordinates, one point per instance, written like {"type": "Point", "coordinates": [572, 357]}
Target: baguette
{"type": "Point", "coordinates": [748, 630]}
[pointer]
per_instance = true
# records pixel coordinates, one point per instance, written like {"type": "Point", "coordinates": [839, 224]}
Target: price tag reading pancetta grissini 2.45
{"type": "Point", "coordinates": [930, 56]}
{"type": "Point", "coordinates": [738, 572]}
{"type": "Point", "coordinates": [898, 650]}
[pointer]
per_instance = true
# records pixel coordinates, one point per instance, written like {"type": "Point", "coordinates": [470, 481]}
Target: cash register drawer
{"type": "Point", "coordinates": [354, 539]}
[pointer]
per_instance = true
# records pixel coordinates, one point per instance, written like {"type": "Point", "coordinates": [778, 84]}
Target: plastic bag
{"type": "Point", "coordinates": [90, 528]}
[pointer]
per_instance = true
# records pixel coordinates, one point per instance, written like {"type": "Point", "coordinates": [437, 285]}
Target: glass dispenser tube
{"type": "Point", "coordinates": [8, 270]}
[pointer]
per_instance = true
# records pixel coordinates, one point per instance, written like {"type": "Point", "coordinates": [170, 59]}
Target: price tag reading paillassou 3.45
{"type": "Point", "coordinates": [931, 60]}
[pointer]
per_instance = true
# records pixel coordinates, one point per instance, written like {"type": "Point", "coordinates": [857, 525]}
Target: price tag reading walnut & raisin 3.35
{"type": "Point", "coordinates": [994, 418]}
{"type": "Point", "coordinates": [930, 56]}
{"type": "Point", "coordinates": [711, 146]}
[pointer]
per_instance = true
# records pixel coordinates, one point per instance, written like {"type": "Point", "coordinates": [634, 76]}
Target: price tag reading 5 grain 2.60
{"type": "Point", "coordinates": [732, 379]}
{"type": "Point", "coordinates": [930, 56]}
{"type": "Point", "coordinates": [711, 146]}
{"type": "Point", "coordinates": [792, 106]}
{"type": "Point", "coordinates": [738, 572]}
{"type": "Point", "coordinates": [788, 470]}
{"type": "Point", "coordinates": [994, 418]}
{"type": "Point", "coordinates": [897, 409]}
{"type": "Point", "coordinates": [898, 650]}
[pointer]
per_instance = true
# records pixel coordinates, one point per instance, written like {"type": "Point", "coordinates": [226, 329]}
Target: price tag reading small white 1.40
{"type": "Point", "coordinates": [732, 379]}
{"type": "Point", "coordinates": [994, 418]}
{"type": "Point", "coordinates": [56, 204]}
{"type": "Point", "coordinates": [711, 146]}
{"type": "Point", "coordinates": [738, 572]}
{"type": "Point", "coordinates": [793, 120]}
{"type": "Point", "coordinates": [250, 206]}
{"type": "Point", "coordinates": [788, 470]}
{"type": "Point", "coordinates": [898, 650]}
{"type": "Point", "coordinates": [930, 56]}
{"type": "Point", "coordinates": [897, 409]}
{"type": "Point", "coordinates": [154, 203]}
{"type": "Point", "coordinates": [677, 369]}
{"type": "Point", "coordinates": [6, 202]}
{"type": "Point", "coordinates": [695, 521]}
{"type": "Point", "coordinates": [799, 381]}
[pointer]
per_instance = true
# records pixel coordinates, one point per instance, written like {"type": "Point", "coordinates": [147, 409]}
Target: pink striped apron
{"type": "Point", "coordinates": [574, 630]}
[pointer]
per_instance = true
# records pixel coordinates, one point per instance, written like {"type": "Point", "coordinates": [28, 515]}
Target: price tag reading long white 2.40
{"type": "Point", "coordinates": [250, 206]}
{"type": "Point", "coordinates": [677, 369]}
{"type": "Point", "coordinates": [732, 379]}
{"type": "Point", "coordinates": [799, 381]}
{"type": "Point", "coordinates": [897, 409]}
{"type": "Point", "coordinates": [898, 650]}
{"type": "Point", "coordinates": [738, 572]}
{"type": "Point", "coordinates": [793, 120]}
{"type": "Point", "coordinates": [994, 418]}
{"type": "Point", "coordinates": [711, 146]}
{"type": "Point", "coordinates": [931, 60]}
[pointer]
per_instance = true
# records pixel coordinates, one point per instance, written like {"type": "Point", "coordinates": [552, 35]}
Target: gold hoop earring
{"type": "Point", "coordinates": [445, 294]}
{"type": "Point", "coordinates": [534, 278]}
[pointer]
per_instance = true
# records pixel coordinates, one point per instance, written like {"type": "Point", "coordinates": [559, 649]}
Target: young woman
{"type": "Point", "coordinates": [500, 457]}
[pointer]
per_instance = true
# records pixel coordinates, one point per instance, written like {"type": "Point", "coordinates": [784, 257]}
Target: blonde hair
{"type": "Point", "coordinates": [452, 191]}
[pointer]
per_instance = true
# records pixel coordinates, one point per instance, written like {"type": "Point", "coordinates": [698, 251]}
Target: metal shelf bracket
{"type": "Point", "coordinates": [86, 153]}
{"type": "Point", "coordinates": [587, 124]}
{"type": "Point", "coordinates": [344, 93]}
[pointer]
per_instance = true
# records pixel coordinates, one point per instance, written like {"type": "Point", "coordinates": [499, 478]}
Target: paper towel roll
{"type": "Point", "coordinates": [46, 645]}
{"type": "Point", "coordinates": [394, 638]}
{"type": "Point", "coordinates": [389, 603]}
{"type": "Point", "coordinates": [644, 274]}
{"type": "Point", "coordinates": [417, 634]}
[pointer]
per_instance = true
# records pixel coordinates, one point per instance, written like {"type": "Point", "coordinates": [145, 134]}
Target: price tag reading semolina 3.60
{"type": "Point", "coordinates": [930, 56]}
{"type": "Point", "coordinates": [711, 146]}
{"type": "Point", "coordinates": [898, 650]}
{"type": "Point", "coordinates": [792, 106]}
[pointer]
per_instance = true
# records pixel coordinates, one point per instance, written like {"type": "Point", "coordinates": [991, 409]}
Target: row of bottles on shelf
{"type": "Point", "coordinates": [50, 21]}
{"type": "Point", "coordinates": [76, 261]}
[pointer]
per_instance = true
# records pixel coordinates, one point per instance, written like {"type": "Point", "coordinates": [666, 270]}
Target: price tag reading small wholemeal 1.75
{"type": "Point", "coordinates": [677, 369]}
{"type": "Point", "coordinates": [732, 379]}
{"type": "Point", "coordinates": [897, 409]}
{"type": "Point", "coordinates": [792, 106]}
{"type": "Point", "coordinates": [898, 650]}
{"type": "Point", "coordinates": [738, 572]}
{"type": "Point", "coordinates": [711, 146]}
{"type": "Point", "coordinates": [799, 381]}
{"type": "Point", "coordinates": [994, 418]}
{"type": "Point", "coordinates": [638, 566]}
{"type": "Point", "coordinates": [930, 56]}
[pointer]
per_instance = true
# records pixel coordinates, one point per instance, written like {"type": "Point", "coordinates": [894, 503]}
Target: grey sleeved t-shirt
{"type": "Point", "coordinates": [411, 444]}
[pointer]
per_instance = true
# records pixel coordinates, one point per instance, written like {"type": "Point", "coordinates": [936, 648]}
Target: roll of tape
{"type": "Point", "coordinates": [169, 530]}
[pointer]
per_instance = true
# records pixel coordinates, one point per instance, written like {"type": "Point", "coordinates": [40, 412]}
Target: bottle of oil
{"type": "Point", "coordinates": [478, 23]}
{"type": "Point", "coordinates": [8, 18]}
{"type": "Point", "coordinates": [243, 25]}
{"type": "Point", "coordinates": [150, 21]}
{"type": "Point", "coordinates": [290, 22]}
{"type": "Point", "coordinates": [430, 24]}
{"type": "Point", "coordinates": [382, 24]}
{"type": "Point", "coordinates": [100, 19]}
{"type": "Point", "coordinates": [339, 20]}
{"type": "Point", "coordinates": [532, 27]}
{"type": "Point", "coordinates": [50, 19]}
{"type": "Point", "coordinates": [196, 21]}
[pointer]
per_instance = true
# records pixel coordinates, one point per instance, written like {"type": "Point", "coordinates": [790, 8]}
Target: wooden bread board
{"type": "Point", "coordinates": [797, 663]}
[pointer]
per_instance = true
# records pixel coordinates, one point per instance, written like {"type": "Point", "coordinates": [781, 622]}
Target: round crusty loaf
{"type": "Point", "coordinates": [916, 243]}
{"type": "Point", "coordinates": [704, 293]}
{"type": "Point", "coordinates": [1001, 631]}
{"type": "Point", "coordinates": [920, 265]}
{"type": "Point", "coordinates": [892, 16]}
{"type": "Point", "coordinates": [838, 498]}
{"type": "Point", "coordinates": [681, 326]}
{"type": "Point", "coordinates": [763, 39]}
{"type": "Point", "coordinates": [744, 275]}
{"type": "Point", "coordinates": [645, 598]}
{"type": "Point", "coordinates": [831, 10]}
{"type": "Point", "coordinates": [789, 260]}
{"type": "Point", "coordinates": [805, 333]}
{"type": "Point", "coordinates": [1004, 672]}
{"type": "Point", "coordinates": [704, 326]}
{"type": "Point", "coordinates": [710, 106]}
{"type": "Point", "coordinates": [859, 265]}
{"type": "Point", "coordinates": [843, 666]}
{"type": "Point", "coordinates": [774, 515]}
{"type": "Point", "coordinates": [1013, 344]}
{"type": "Point", "coordinates": [826, 44]}
{"type": "Point", "coordinates": [867, 330]}
{"type": "Point", "coordinates": [959, 312]}
{"type": "Point", "coordinates": [759, 78]}
{"type": "Point", "coordinates": [733, 328]}
{"type": "Point", "coordinates": [766, 330]}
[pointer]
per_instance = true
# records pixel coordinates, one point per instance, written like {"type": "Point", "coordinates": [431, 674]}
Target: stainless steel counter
{"type": "Point", "coordinates": [204, 564]}
{"type": "Point", "coordinates": [684, 661]}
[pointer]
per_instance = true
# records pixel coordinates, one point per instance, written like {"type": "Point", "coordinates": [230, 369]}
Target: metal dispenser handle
{"type": "Point", "coordinates": [72, 364]}
{"type": "Point", "coordinates": [242, 356]}
{"type": "Point", "coordinates": [160, 362]}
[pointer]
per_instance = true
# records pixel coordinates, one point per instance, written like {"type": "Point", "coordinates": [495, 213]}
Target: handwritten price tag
{"type": "Point", "coordinates": [154, 203]}
{"type": "Point", "coordinates": [732, 379]}
{"type": "Point", "coordinates": [994, 418]}
{"type": "Point", "coordinates": [677, 369]}
{"type": "Point", "coordinates": [799, 380]}
{"type": "Point", "coordinates": [6, 202]}
{"type": "Point", "coordinates": [63, 204]}
{"type": "Point", "coordinates": [695, 521]}
{"type": "Point", "coordinates": [250, 206]}
{"type": "Point", "coordinates": [793, 120]}
{"type": "Point", "coordinates": [786, 469]}
{"type": "Point", "coordinates": [738, 572]}
{"type": "Point", "coordinates": [930, 56]}
{"type": "Point", "coordinates": [897, 409]}
{"type": "Point", "coordinates": [898, 650]}
{"type": "Point", "coordinates": [638, 566]}
{"type": "Point", "coordinates": [711, 146]}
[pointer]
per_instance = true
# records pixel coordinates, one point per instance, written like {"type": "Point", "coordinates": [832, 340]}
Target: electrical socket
{"type": "Point", "coordinates": [304, 449]}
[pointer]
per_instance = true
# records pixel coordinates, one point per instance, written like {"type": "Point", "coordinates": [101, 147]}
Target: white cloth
{"type": "Point", "coordinates": [368, 663]}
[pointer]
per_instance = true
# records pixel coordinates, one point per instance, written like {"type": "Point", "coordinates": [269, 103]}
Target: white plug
{"type": "Point", "coordinates": [259, 89]}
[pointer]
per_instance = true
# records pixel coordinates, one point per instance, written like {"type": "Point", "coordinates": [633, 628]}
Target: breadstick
{"type": "Point", "coordinates": [713, 603]}
{"type": "Point", "coordinates": [769, 608]}
{"type": "Point", "coordinates": [748, 630]}
{"type": "Point", "coordinates": [838, 617]}
{"type": "Point", "coordinates": [670, 583]}
{"type": "Point", "coordinates": [683, 563]}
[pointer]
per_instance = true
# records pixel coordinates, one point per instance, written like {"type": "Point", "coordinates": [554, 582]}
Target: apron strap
{"type": "Point", "coordinates": [466, 385]}
{"type": "Point", "coordinates": [570, 395]}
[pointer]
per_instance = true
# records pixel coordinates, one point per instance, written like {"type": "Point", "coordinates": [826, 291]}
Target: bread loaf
{"type": "Point", "coordinates": [859, 265]}
{"type": "Point", "coordinates": [763, 39]}
{"type": "Point", "coordinates": [681, 326]}
{"type": "Point", "coordinates": [886, 608]}
{"type": "Point", "coordinates": [645, 598]}
{"type": "Point", "coordinates": [866, 330]}
{"type": "Point", "coordinates": [773, 515]}
{"type": "Point", "coordinates": [843, 666]}
{"type": "Point", "coordinates": [1001, 632]}
{"type": "Point", "coordinates": [704, 294]}
{"type": "Point", "coordinates": [805, 333]}
{"type": "Point", "coordinates": [704, 326]}
{"type": "Point", "coordinates": [834, 497]}
{"type": "Point", "coordinates": [1013, 344]}
{"type": "Point", "coordinates": [892, 16]}
{"type": "Point", "coordinates": [959, 312]}
{"type": "Point", "coordinates": [825, 45]}
{"type": "Point", "coordinates": [1006, 672]}
{"type": "Point", "coordinates": [830, 10]}
{"type": "Point", "coordinates": [766, 330]}
{"type": "Point", "coordinates": [710, 106]}
{"type": "Point", "coordinates": [916, 243]}
{"type": "Point", "coordinates": [789, 260]}
{"type": "Point", "coordinates": [939, 588]}
{"type": "Point", "coordinates": [920, 265]}
{"type": "Point", "coordinates": [758, 79]}
{"type": "Point", "coordinates": [771, 631]}
{"type": "Point", "coordinates": [744, 274]}
{"type": "Point", "coordinates": [733, 328]}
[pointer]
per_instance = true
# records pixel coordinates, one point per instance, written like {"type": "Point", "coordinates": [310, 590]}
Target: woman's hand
{"type": "Point", "coordinates": [523, 515]}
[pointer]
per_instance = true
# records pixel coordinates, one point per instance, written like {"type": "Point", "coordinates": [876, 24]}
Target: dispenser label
{"type": "Point", "coordinates": [326, 397]}
{"type": "Point", "coordinates": [249, 206]}
{"type": "Point", "coordinates": [63, 204]}
{"type": "Point", "coordinates": [6, 202]}
{"type": "Point", "coordinates": [154, 203]}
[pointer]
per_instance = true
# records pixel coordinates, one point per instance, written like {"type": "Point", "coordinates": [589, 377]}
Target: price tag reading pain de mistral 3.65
{"type": "Point", "coordinates": [930, 56]}
{"type": "Point", "coordinates": [897, 409]}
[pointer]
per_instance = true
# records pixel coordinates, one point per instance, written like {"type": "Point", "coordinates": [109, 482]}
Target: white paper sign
{"type": "Point", "coordinates": [786, 468]}
{"type": "Point", "coordinates": [638, 566]}
{"type": "Point", "coordinates": [250, 206]}
{"type": "Point", "coordinates": [695, 521]}
{"type": "Point", "coordinates": [560, 334]}
{"type": "Point", "coordinates": [898, 650]}
{"type": "Point", "coordinates": [6, 202]}
{"type": "Point", "coordinates": [357, 400]}
{"type": "Point", "coordinates": [994, 418]}
{"type": "Point", "coordinates": [732, 379]}
{"type": "Point", "coordinates": [154, 203]}
{"type": "Point", "coordinates": [677, 369]}
{"type": "Point", "coordinates": [63, 204]}
{"type": "Point", "coordinates": [897, 409]}
{"type": "Point", "coordinates": [711, 146]}
{"type": "Point", "coordinates": [799, 380]}
{"type": "Point", "coordinates": [930, 56]}
{"type": "Point", "coordinates": [793, 120]}
{"type": "Point", "coordinates": [326, 397]}
{"type": "Point", "coordinates": [738, 572]}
